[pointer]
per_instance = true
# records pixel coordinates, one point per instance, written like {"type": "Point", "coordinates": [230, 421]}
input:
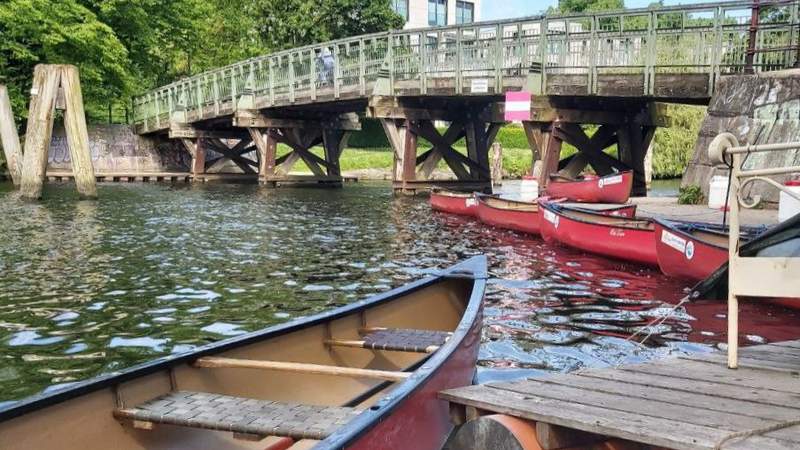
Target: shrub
{"type": "Point", "coordinates": [690, 195]}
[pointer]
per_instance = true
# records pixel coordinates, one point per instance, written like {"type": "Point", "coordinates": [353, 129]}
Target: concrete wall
{"type": "Point", "coordinates": [757, 109]}
{"type": "Point", "coordinates": [115, 148]}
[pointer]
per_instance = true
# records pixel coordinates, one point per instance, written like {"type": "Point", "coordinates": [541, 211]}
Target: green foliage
{"type": "Point", "coordinates": [674, 146]}
{"type": "Point", "coordinates": [370, 136]}
{"type": "Point", "coordinates": [125, 47]}
{"type": "Point", "coordinates": [566, 6]}
{"type": "Point", "coordinates": [293, 23]}
{"type": "Point", "coordinates": [62, 32]}
{"type": "Point", "coordinates": [690, 195]}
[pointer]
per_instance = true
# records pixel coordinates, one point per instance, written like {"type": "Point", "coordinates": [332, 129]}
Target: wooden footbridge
{"type": "Point", "coordinates": [604, 69]}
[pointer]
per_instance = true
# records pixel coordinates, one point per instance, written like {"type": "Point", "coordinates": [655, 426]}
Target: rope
{"type": "Point", "coordinates": [758, 431]}
{"type": "Point", "coordinates": [657, 321]}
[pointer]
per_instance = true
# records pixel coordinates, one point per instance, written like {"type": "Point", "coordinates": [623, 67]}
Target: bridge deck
{"type": "Point", "coordinates": [688, 403]}
{"type": "Point", "coordinates": [669, 53]}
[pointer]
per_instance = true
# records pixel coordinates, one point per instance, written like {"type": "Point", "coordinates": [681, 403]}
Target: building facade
{"type": "Point", "coordinates": [432, 13]}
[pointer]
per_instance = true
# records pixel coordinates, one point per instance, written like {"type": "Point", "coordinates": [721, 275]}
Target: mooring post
{"type": "Point", "coordinates": [47, 80]}
{"type": "Point", "coordinates": [9, 138]}
{"type": "Point", "coordinates": [77, 133]}
{"type": "Point", "coordinates": [40, 129]}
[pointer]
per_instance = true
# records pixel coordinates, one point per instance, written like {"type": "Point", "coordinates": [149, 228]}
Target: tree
{"type": "Point", "coordinates": [62, 32]}
{"type": "Point", "coordinates": [285, 24]}
{"type": "Point", "coordinates": [565, 6]}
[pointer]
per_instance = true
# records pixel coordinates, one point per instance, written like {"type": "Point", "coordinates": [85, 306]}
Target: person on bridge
{"type": "Point", "coordinates": [328, 63]}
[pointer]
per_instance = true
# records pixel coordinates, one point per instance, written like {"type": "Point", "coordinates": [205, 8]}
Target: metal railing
{"type": "Point", "coordinates": [753, 276]}
{"type": "Point", "coordinates": [711, 39]}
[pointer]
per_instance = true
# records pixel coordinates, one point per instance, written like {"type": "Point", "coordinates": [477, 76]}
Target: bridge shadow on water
{"type": "Point", "coordinates": [150, 270]}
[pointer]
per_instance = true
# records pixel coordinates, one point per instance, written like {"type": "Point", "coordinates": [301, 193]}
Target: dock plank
{"type": "Point", "coordinates": [714, 372]}
{"type": "Point", "coordinates": [649, 430]}
{"type": "Point", "coordinates": [689, 403]}
{"type": "Point", "coordinates": [751, 361]}
{"type": "Point", "coordinates": [641, 406]}
{"type": "Point", "coordinates": [707, 401]}
{"type": "Point", "coordinates": [721, 390]}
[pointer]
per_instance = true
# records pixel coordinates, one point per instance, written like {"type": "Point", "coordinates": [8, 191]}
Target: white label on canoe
{"type": "Point", "coordinates": [551, 217]}
{"type": "Point", "coordinates": [471, 202]}
{"type": "Point", "coordinates": [608, 181]}
{"type": "Point", "coordinates": [480, 86]}
{"type": "Point", "coordinates": [689, 250]}
{"type": "Point", "coordinates": [676, 242]}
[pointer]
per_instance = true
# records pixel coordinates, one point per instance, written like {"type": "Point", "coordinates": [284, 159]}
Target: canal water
{"type": "Point", "coordinates": [148, 270]}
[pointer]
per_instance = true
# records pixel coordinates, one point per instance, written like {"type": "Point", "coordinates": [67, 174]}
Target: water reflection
{"type": "Point", "coordinates": [150, 270]}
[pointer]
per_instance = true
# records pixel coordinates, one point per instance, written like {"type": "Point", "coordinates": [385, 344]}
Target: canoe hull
{"type": "Point", "coordinates": [405, 407]}
{"type": "Point", "coordinates": [423, 412]}
{"type": "Point", "coordinates": [454, 204]}
{"type": "Point", "coordinates": [614, 188]}
{"type": "Point", "coordinates": [635, 245]}
{"type": "Point", "coordinates": [681, 256]}
{"type": "Point", "coordinates": [522, 221]}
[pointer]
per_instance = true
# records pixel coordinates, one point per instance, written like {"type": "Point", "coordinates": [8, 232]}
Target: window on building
{"type": "Point", "coordinates": [437, 12]}
{"type": "Point", "coordinates": [401, 8]}
{"type": "Point", "coordinates": [465, 12]}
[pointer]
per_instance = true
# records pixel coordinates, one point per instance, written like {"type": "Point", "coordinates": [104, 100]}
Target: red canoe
{"type": "Point", "coordinates": [624, 238]}
{"type": "Point", "coordinates": [453, 202]}
{"type": "Point", "coordinates": [510, 214]}
{"type": "Point", "coordinates": [524, 216]}
{"type": "Point", "coordinates": [361, 376]}
{"type": "Point", "coordinates": [615, 188]}
{"type": "Point", "coordinates": [693, 250]}
{"type": "Point", "coordinates": [685, 251]}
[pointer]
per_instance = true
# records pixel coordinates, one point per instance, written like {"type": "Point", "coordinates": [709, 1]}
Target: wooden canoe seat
{"type": "Point", "coordinates": [242, 416]}
{"type": "Point", "coordinates": [398, 340]}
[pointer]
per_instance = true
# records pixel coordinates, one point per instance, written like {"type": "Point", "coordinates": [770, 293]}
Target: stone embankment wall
{"type": "Point", "coordinates": [116, 149]}
{"type": "Point", "coordinates": [757, 109]}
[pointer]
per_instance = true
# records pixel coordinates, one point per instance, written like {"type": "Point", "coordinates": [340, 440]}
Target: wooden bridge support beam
{"type": "Point", "coordinates": [329, 131]}
{"type": "Point", "coordinates": [56, 87]}
{"type": "Point", "coordinates": [632, 133]}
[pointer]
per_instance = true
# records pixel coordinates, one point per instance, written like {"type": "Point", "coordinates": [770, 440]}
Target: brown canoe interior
{"type": "Point", "coordinates": [359, 345]}
{"type": "Point", "coordinates": [447, 193]}
{"type": "Point", "coordinates": [715, 239]}
{"type": "Point", "coordinates": [613, 221]}
{"type": "Point", "coordinates": [511, 205]}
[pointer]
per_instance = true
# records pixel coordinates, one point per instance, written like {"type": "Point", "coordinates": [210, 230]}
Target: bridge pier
{"type": "Point", "coordinates": [405, 120]}
{"type": "Point", "coordinates": [627, 124]}
{"type": "Point", "coordinates": [300, 135]}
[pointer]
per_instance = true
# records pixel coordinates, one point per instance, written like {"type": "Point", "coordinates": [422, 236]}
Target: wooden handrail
{"type": "Point", "coordinates": [209, 362]}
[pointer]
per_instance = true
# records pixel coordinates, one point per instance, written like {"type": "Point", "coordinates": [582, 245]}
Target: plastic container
{"type": "Point", "coordinates": [788, 206]}
{"type": "Point", "coordinates": [529, 189]}
{"type": "Point", "coordinates": [717, 192]}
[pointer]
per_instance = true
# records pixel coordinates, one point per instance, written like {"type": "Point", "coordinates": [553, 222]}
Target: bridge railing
{"type": "Point", "coordinates": [710, 39]}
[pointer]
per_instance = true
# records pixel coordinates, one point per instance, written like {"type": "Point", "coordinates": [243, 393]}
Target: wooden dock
{"type": "Point", "coordinates": [690, 403]}
{"type": "Point", "coordinates": [186, 177]}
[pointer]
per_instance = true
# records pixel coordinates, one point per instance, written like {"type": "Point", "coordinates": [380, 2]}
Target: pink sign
{"type": "Point", "coordinates": [518, 106]}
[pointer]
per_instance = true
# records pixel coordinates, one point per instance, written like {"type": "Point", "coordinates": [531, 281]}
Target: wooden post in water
{"type": "Point", "coordinates": [77, 133]}
{"type": "Point", "coordinates": [47, 80]}
{"type": "Point", "coordinates": [497, 164]}
{"type": "Point", "coordinates": [9, 139]}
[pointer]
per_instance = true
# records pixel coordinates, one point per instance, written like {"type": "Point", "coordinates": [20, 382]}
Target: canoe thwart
{"type": "Point", "coordinates": [242, 416]}
{"type": "Point", "coordinates": [397, 340]}
{"type": "Point", "coordinates": [209, 362]}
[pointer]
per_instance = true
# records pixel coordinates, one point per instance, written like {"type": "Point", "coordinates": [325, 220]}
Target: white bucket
{"type": "Point", "coordinates": [529, 189]}
{"type": "Point", "coordinates": [788, 206]}
{"type": "Point", "coordinates": [717, 192]}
